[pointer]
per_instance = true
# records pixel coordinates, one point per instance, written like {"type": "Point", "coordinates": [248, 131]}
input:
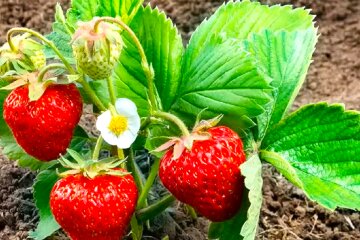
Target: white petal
{"type": "Point", "coordinates": [126, 139]}
{"type": "Point", "coordinates": [125, 107]}
{"type": "Point", "coordinates": [109, 137]}
{"type": "Point", "coordinates": [134, 124]}
{"type": "Point", "coordinates": [103, 121]}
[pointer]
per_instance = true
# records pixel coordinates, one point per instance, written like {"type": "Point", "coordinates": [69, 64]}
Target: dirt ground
{"type": "Point", "coordinates": [286, 213]}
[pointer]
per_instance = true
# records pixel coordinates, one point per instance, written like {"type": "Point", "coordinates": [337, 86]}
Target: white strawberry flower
{"type": "Point", "coordinates": [120, 126]}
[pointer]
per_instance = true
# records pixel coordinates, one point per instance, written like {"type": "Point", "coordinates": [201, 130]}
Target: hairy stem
{"type": "Point", "coordinates": [112, 93]}
{"type": "Point", "coordinates": [97, 148]}
{"type": "Point", "coordinates": [172, 118]}
{"type": "Point", "coordinates": [131, 167]}
{"type": "Point", "coordinates": [155, 209]}
{"type": "Point", "coordinates": [42, 38]}
{"type": "Point", "coordinates": [147, 68]}
{"type": "Point", "coordinates": [121, 156]}
{"type": "Point", "coordinates": [148, 184]}
{"type": "Point", "coordinates": [90, 92]}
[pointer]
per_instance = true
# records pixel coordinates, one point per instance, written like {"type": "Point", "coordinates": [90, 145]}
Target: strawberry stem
{"type": "Point", "coordinates": [147, 68]}
{"type": "Point", "coordinates": [90, 92]}
{"type": "Point", "coordinates": [97, 148]}
{"type": "Point", "coordinates": [121, 156]}
{"type": "Point", "coordinates": [155, 209]}
{"type": "Point", "coordinates": [42, 38]}
{"type": "Point", "coordinates": [49, 67]}
{"type": "Point", "coordinates": [112, 93]}
{"type": "Point", "coordinates": [120, 153]}
{"type": "Point", "coordinates": [132, 167]}
{"type": "Point", "coordinates": [148, 184]}
{"type": "Point", "coordinates": [177, 121]}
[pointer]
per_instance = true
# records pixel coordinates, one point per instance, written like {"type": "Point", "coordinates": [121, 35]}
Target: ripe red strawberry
{"type": "Point", "coordinates": [208, 177]}
{"type": "Point", "coordinates": [94, 209]}
{"type": "Point", "coordinates": [44, 128]}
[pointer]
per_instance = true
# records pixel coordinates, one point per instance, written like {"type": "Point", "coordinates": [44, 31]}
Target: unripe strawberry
{"type": "Point", "coordinates": [28, 55]}
{"type": "Point", "coordinates": [97, 52]}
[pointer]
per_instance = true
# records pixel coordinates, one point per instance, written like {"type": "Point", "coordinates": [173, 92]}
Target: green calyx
{"type": "Point", "coordinates": [28, 55]}
{"type": "Point", "coordinates": [97, 51]}
{"type": "Point", "coordinates": [91, 168]}
{"type": "Point", "coordinates": [36, 81]}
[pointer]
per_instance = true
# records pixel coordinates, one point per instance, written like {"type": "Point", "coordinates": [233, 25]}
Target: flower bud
{"type": "Point", "coordinates": [28, 55]}
{"type": "Point", "coordinates": [97, 52]}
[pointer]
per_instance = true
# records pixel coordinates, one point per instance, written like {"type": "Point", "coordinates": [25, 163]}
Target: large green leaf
{"type": "Point", "coordinates": [163, 48]}
{"type": "Point", "coordinates": [44, 183]}
{"type": "Point", "coordinates": [216, 75]}
{"type": "Point", "coordinates": [225, 79]}
{"type": "Point", "coordinates": [85, 9]}
{"type": "Point", "coordinates": [241, 19]}
{"type": "Point", "coordinates": [318, 148]}
{"type": "Point", "coordinates": [114, 8]}
{"type": "Point", "coordinates": [244, 224]}
{"type": "Point", "coordinates": [285, 57]}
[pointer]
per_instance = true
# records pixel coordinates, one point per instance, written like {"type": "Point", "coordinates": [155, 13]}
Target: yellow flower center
{"type": "Point", "coordinates": [118, 125]}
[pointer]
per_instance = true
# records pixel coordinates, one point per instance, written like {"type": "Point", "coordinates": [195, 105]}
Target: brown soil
{"type": "Point", "coordinates": [287, 213]}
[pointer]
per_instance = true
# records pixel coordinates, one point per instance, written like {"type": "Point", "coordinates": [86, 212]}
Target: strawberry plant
{"type": "Point", "coordinates": [209, 114]}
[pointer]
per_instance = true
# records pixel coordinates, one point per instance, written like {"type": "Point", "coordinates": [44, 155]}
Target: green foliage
{"type": "Point", "coordinates": [285, 57]}
{"type": "Point", "coordinates": [61, 36]}
{"type": "Point", "coordinates": [114, 8]}
{"type": "Point", "coordinates": [244, 224]}
{"type": "Point", "coordinates": [224, 79]}
{"type": "Point", "coordinates": [163, 48]}
{"type": "Point", "coordinates": [251, 170]}
{"type": "Point", "coordinates": [45, 181]}
{"type": "Point", "coordinates": [248, 62]}
{"type": "Point", "coordinates": [239, 20]}
{"type": "Point", "coordinates": [318, 149]}
{"type": "Point", "coordinates": [84, 10]}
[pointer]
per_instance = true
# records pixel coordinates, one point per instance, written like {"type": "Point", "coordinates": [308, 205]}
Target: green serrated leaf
{"type": "Point", "coordinates": [285, 57]}
{"type": "Point", "coordinates": [244, 224]}
{"type": "Point", "coordinates": [251, 170]}
{"type": "Point", "coordinates": [126, 9]}
{"type": "Point", "coordinates": [223, 79]}
{"type": "Point", "coordinates": [239, 20]}
{"type": "Point", "coordinates": [85, 9]}
{"type": "Point", "coordinates": [60, 20]}
{"type": "Point", "coordinates": [163, 47]}
{"type": "Point", "coordinates": [61, 36]}
{"type": "Point", "coordinates": [320, 144]}
{"type": "Point", "coordinates": [236, 21]}
{"type": "Point", "coordinates": [43, 185]}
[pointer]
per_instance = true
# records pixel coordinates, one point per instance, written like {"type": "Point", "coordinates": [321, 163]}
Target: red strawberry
{"type": "Point", "coordinates": [94, 209]}
{"type": "Point", "coordinates": [44, 128]}
{"type": "Point", "coordinates": [207, 177]}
